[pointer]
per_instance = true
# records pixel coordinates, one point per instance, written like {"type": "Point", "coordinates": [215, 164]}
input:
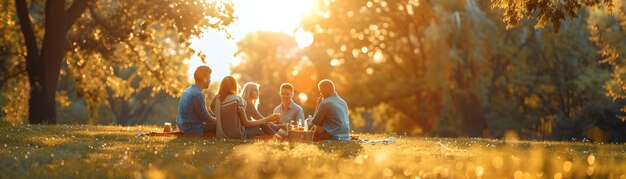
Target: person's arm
{"type": "Point", "coordinates": [317, 103]}
{"type": "Point", "coordinates": [200, 107]}
{"type": "Point", "coordinates": [276, 111]}
{"type": "Point", "coordinates": [320, 114]}
{"type": "Point", "coordinates": [254, 113]}
{"type": "Point", "coordinates": [246, 123]}
{"type": "Point", "coordinates": [212, 116]}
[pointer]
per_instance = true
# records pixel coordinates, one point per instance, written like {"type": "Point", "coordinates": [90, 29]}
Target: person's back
{"type": "Point", "coordinates": [232, 121]}
{"type": "Point", "coordinates": [333, 117]}
{"type": "Point", "coordinates": [193, 117]}
{"type": "Point", "coordinates": [331, 114]}
{"type": "Point", "coordinates": [188, 117]}
{"type": "Point", "coordinates": [227, 112]}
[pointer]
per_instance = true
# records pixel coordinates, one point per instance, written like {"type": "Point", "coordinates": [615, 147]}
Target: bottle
{"type": "Point", "coordinates": [292, 125]}
{"type": "Point", "coordinates": [306, 126]}
{"type": "Point", "coordinates": [299, 124]}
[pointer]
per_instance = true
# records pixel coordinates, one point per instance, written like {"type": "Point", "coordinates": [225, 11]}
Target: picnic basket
{"type": "Point", "coordinates": [299, 135]}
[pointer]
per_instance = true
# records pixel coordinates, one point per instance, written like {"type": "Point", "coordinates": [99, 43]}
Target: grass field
{"type": "Point", "coordinates": [83, 151]}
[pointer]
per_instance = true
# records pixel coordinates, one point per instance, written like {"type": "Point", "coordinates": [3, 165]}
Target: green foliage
{"type": "Point", "coordinates": [126, 45]}
{"type": "Point", "coordinates": [557, 77]}
{"type": "Point", "coordinates": [115, 152]}
{"type": "Point", "coordinates": [381, 50]}
{"type": "Point", "coordinates": [119, 48]}
{"type": "Point", "coordinates": [451, 68]}
{"type": "Point", "coordinates": [13, 79]}
{"type": "Point", "coordinates": [270, 59]}
{"type": "Point", "coordinates": [413, 56]}
{"type": "Point", "coordinates": [607, 31]}
{"type": "Point", "coordinates": [553, 12]}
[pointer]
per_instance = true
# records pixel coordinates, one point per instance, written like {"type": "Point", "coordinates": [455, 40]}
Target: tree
{"type": "Point", "coordinates": [607, 31]}
{"type": "Point", "coordinates": [451, 68]}
{"type": "Point", "coordinates": [545, 12]}
{"type": "Point", "coordinates": [381, 46]}
{"type": "Point", "coordinates": [266, 58]}
{"type": "Point", "coordinates": [273, 58]}
{"type": "Point", "coordinates": [409, 63]}
{"type": "Point", "coordinates": [148, 37]}
{"type": "Point", "coordinates": [554, 79]}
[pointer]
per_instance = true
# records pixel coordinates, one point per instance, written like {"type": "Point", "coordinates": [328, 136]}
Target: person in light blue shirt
{"type": "Point", "coordinates": [289, 111]}
{"type": "Point", "coordinates": [331, 114]}
{"type": "Point", "coordinates": [193, 117]}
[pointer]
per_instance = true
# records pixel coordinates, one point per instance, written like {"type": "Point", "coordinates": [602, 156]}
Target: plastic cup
{"type": "Point", "coordinates": [167, 127]}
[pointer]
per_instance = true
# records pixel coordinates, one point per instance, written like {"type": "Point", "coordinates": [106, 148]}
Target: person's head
{"type": "Point", "coordinates": [250, 91]}
{"type": "Point", "coordinates": [326, 87]}
{"type": "Point", "coordinates": [202, 76]}
{"type": "Point", "coordinates": [286, 92]}
{"type": "Point", "coordinates": [228, 86]}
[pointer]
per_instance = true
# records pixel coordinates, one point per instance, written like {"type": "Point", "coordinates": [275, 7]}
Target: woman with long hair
{"type": "Point", "coordinates": [230, 109]}
{"type": "Point", "coordinates": [250, 93]}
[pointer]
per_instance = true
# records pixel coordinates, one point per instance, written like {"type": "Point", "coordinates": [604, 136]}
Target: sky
{"type": "Point", "coordinates": [253, 15]}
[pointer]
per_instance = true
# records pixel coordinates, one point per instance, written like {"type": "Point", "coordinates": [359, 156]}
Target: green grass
{"type": "Point", "coordinates": [112, 151]}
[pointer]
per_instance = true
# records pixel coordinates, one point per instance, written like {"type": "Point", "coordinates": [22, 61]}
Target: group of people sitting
{"type": "Point", "coordinates": [235, 115]}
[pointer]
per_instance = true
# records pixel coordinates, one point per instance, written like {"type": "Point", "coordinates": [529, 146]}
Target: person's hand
{"type": "Point", "coordinates": [319, 100]}
{"type": "Point", "coordinates": [274, 117]}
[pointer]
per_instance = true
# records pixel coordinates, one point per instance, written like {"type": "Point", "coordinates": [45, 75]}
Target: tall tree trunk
{"type": "Point", "coordinates": [43, 70]}
{"type": "Point", "coordinates": [49, 65]}
{"type": "Point", "coordinates": [32, 58]}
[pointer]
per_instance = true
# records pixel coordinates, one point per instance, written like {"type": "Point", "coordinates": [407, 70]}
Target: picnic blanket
{"type": "Point", "coordinates": [383, 141]}
{"type": "Point", "coordinates": [209, 135]}
{"type": "Point", "coordinates": [180, 134]}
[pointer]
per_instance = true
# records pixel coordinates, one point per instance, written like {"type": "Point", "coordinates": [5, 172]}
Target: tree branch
{"type": "Point", "coordinates": [6, 78]}
{"type": "Point", "coordinates": [74, 12]}
{"type": "Point", "coordinates": [108, 29]}
{"type": "Point", "coordinates": [32, 52]}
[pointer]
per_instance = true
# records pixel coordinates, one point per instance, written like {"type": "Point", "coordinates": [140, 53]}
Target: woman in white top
{"type": "Point", "coordinates": [232, 121]}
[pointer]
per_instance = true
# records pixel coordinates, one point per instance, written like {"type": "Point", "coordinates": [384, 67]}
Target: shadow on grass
{"type": "Point", "coordinates": [344, 149]}
{"type": "Point", "coordinates": [33, 148]}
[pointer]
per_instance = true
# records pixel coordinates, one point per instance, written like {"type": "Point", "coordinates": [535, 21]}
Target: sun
{"type": "Point", "coordinates": [268, 15]}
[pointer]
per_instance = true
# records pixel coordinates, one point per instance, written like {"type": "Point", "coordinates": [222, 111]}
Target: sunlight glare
{"type": "Point", "coordinates": [303, 39]}
{"type": "Point", "coordinates": [480, 171]}
{"type": "Point", "coordinates": [270, 15]}
{"type": "Point", "coordinates": [591, 159]}
{"type": "Point", "coordinates": [303, 98]}
{"type": "Point", "coordinates": [378, 56]}
{"type": "Point", "coordinates": [219, 55]}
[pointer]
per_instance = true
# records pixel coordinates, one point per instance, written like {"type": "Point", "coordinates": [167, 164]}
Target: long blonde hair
{"type": "Point", "coordinates": [246, 93]}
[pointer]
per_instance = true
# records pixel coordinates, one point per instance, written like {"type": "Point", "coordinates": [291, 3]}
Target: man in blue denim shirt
{"type": "Point", "coordinates": [331, 115]}
{"type": "Point", "coordinates": [193, 117]}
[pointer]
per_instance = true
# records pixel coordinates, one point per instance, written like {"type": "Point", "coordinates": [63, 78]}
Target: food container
{"type": "Point", "coordinates": [297, 134]}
